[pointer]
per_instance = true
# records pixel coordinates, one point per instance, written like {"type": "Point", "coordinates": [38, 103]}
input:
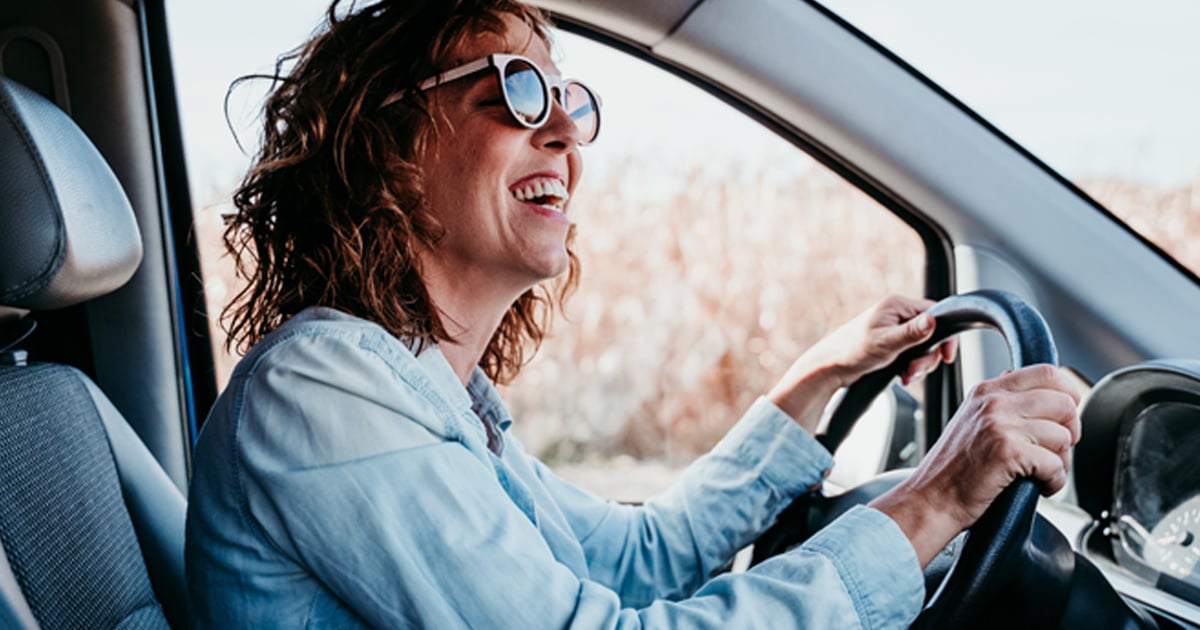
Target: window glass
{"type": "Point", "coordinates": [210, 49]}
{"type": "Point", "coordinates": [1101, 90]}
{"type": "Point", "coordinates": [713, 254]}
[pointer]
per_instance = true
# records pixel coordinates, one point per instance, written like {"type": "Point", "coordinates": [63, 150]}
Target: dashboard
{"type": "Point", "coordinates": [1137, 473]}
{"type": "Point", "coordinates": [1172, 545]}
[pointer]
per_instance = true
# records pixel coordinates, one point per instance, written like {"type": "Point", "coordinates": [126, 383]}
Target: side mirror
{"type": "Point", "coordinates": [885, 438]}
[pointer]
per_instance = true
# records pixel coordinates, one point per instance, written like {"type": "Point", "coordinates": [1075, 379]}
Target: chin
{"type": "Point", "coordinates": [553, 266]}
{"type": "Point", "coordinates": [558, 272]}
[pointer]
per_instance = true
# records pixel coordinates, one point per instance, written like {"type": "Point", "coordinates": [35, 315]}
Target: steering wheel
{"type": "Point", "coordinates": [991, 561]}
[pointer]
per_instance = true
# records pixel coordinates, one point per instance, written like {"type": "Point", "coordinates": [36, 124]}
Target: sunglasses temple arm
{"type": "Point", "coordinates": [457, 73]}
{"type": "Point", "coordinates": [438, 79]}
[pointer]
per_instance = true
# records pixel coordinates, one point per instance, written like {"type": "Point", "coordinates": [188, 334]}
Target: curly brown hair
{"type": "Point", "coordinates": [332, 212]}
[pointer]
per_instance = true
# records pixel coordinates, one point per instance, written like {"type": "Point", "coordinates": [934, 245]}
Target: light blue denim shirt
{"type": "Point", "coordinates": [341, 481]}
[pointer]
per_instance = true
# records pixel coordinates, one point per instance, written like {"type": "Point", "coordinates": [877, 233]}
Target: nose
{"type": "Point", "coordinates": [559, 133]}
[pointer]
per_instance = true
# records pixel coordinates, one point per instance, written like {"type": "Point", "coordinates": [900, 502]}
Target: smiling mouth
{"type": "Point", "coordinates": [547, 192]}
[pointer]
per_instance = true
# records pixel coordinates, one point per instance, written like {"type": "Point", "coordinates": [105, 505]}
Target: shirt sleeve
{"type": "Point", "coordinates": [415, 531]}
{"type": "Point", "coordinates": [666, 548]}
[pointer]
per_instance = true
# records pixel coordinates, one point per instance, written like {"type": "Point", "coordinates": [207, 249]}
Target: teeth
{"type": "Point", "coordinates": [552, 192]}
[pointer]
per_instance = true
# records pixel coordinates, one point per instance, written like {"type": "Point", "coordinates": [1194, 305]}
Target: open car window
{"type": "Point", "coordinates": [713, 253]}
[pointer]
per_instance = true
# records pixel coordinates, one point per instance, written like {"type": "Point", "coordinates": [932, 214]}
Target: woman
{"type": "Point", "coordinates": [408, 206]}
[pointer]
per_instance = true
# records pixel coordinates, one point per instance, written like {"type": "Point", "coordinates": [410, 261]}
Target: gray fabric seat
{"type": "Point", "coordinates": [90, 525]}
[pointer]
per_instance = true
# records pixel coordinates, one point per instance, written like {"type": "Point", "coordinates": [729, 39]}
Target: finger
{"type": "Point", "coordinates": [944, 352]}
{"type": "Point", "coordinates": [1075, 426]}
{"type": "Point", "coordinates": [1049, 435]}
{"type": "Point", "coordinates": [1053, 406]}
{"type": "Point", "coordinates": [1041, 376]}
{"type": "Point", "coordinates": [905, 307]}
{"type": "Point", "coordinates": [1045, 404]}
{"type": "Point", "coordinates": [925, 364]}
{"type": "Point", "coordinates": [909, 333]}
{"type": "Point", "coordinates": [921, 366]}
{"type": "Point", "coordinates": [1047, 469]}
{"type": "Point", "coordinates": [949, 349]}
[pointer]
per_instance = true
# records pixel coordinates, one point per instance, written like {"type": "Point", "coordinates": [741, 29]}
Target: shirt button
{"type": "Point", "coordinates": [815, 487]}
{"type": "Point", "coordinates": [825, 473]}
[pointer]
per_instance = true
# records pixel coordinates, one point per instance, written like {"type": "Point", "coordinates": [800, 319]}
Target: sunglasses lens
{"type": "Point", "coordinates": [526, 92]}
{"type": "Point", "coordinates": [583, 108]}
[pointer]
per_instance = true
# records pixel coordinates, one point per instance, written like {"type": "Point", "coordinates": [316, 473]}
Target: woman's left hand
{"type": "Point", "coordinates": [864, 344]}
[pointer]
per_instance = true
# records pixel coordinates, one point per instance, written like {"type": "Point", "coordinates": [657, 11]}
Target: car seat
{"type": "Point", "coordinates": [90, 525]}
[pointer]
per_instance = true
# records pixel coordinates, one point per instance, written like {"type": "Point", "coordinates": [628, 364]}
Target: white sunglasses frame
{"type": "Point", "coordinates": [498, 62]}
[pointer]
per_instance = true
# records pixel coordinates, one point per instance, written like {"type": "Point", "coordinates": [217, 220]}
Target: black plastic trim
{"type": "Point", "coordinates": [192, 321]}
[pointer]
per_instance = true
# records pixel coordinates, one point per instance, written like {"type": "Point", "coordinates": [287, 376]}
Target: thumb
{"type": "Point", "coordinates": [916, 330]}
{"type": "Point", "coordinates": [903, 336]}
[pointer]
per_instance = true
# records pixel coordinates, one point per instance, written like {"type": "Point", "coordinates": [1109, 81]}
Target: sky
{"type": "Point", "coordinates": [1094, 87]}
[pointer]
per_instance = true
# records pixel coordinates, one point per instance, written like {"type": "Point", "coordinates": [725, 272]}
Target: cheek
{"type": "Point", "coordinates": [575, 166]}
{"type": "Point", "coordinates": [450, 180]}
{"type": "Point", "coordinates": [469, 168]}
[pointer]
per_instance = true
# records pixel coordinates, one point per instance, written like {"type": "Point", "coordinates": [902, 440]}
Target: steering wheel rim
{"type": "Point", "coordinates": [1005, 528]}
{"type": "Point", "coordinates": [1023, 328]}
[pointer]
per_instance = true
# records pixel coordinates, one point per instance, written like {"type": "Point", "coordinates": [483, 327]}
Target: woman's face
{"type": "Point", "coordinates": [480, 160]}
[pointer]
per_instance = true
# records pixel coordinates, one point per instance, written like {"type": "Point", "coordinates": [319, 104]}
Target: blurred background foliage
{"type": "Point", "coordinates": [693, 302]}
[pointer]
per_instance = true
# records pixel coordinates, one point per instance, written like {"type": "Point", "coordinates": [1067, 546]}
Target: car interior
{"type": "Point", "coordinates": [80, 489]}
{"type": "Point", "coordinates": [106, 370]}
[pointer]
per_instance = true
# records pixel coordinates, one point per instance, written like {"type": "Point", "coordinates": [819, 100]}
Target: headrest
{"type": "Point", "coordinates": [67, 231]}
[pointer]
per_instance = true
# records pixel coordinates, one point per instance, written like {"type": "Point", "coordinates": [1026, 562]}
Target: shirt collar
{"type": "Point", "coordinates": [479, 395]}
{"type": "Point", "coordinates": [438, 368]}
{"type": "Point", "coordinates": [486, 401]}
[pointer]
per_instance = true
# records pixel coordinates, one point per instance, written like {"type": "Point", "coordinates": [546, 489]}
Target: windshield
{"type": "Point", "coordinates": [1103, 91]}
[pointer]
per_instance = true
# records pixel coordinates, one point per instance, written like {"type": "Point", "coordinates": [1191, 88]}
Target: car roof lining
{"type": "Point", "coordinates": [639, 23]}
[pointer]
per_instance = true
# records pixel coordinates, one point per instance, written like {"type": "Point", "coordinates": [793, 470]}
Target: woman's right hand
{"type": "Point", "coordinates": [864, 344]}
{"type": "Point", "coordinates": [1020, 424]}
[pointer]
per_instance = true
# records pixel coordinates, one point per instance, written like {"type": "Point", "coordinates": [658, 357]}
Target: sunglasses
{"type": "Point", "coordinates": [528, 94]}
